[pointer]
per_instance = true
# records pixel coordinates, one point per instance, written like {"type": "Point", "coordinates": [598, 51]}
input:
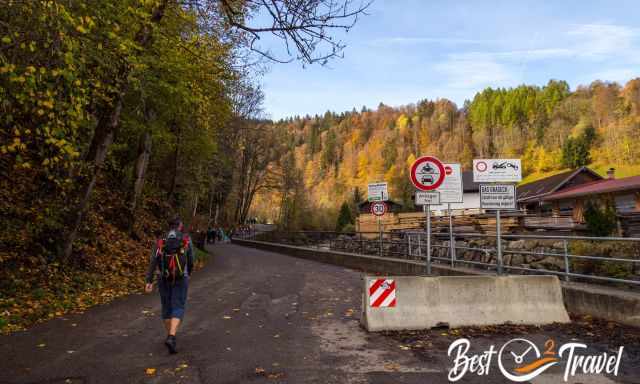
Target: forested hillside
{"type": "Point", "coordinates": [551, 128]}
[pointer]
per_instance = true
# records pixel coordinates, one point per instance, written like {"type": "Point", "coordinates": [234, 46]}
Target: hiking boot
{"type": "Point", "coordinates": [171, 344]}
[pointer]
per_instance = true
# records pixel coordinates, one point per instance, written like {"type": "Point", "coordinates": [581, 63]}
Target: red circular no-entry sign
{"type": "Point", "coordinates": [379, 208]}
{"type": "Point", "coordinates": [427, 173]}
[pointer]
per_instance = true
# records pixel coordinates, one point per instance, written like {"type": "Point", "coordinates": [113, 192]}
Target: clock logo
{"type": "Point", "coordinates": [526, 361]}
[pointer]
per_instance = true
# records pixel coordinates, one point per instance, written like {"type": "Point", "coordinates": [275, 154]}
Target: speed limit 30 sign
{"type": "Point", "coordinates": [379, 208]}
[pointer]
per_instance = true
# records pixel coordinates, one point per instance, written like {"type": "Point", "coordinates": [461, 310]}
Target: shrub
{"type": "Point", "coordinates": [600, 221]}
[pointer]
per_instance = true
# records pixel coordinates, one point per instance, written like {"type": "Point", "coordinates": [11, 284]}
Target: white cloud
{"type": "Point", "coordinates": [536, 54]}
{"type": "Point", "coordinates": [602, 43]}
{"type": "Point", "coordinates": [603, 40]}
{"type": "Point", "coordinates": [620, 75]}
{"type": "Point", "coordinates": [474, 70]}
{"type": "Point", "coordinates": [390, 41]}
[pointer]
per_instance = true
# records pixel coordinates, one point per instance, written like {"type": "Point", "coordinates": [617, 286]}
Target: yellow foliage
{"type": "Point", "coordinates": [411, 159]}
{"type": "Point", "coordinates": [402, 124]}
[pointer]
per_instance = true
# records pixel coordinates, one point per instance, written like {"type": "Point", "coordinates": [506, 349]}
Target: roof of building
{"type": "Point", "coordinates": [468, 185]}
{"type": "Point", "coordinates": [543, 187]}
{"type": "Point", "coordinates": [597, 187]}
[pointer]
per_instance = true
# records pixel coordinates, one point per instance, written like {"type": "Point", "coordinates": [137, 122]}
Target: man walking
{"type": "Point", "coordinates": [173, 257]}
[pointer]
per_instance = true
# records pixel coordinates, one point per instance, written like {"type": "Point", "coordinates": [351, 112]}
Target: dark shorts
{"type": "Point", "coordinates": [173, 297]}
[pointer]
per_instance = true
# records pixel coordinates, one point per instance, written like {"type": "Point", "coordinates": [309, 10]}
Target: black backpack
{"type": "Point", "coordinates": [172, 255]}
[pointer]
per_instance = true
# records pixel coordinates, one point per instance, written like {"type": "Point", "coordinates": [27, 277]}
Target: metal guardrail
{"type": "Point", "coordinates": [480, 251]}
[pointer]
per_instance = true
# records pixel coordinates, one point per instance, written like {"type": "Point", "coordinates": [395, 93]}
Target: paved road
{"type": "Point", "coordinates": [252, 317]}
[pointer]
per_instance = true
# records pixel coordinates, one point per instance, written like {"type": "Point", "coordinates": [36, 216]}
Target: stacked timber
{"type": "Point", "coordinates": [415, 221]}
{"type": "Point", "coordinates": [630, 223]}
{"type": "Point", "coordinates": [507, 224]}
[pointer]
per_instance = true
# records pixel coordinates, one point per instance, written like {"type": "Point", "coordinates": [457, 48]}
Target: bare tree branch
{"type": "Point", "coordinates": [304, 26]}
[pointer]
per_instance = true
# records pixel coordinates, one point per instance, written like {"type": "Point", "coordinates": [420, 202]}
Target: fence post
{"type": "Point", "coordinates": [566, 260]}
{"type": "Point", "coordinates": [408, 246]}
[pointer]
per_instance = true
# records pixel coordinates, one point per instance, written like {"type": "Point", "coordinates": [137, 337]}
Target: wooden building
{"type": "Point", "coordinates": [531, 196]}
{"type": "Point", "coordinates": [623, 193]}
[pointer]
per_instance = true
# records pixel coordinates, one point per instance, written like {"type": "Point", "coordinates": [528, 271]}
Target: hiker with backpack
{"type": "Point", "coordinates": [173, 257]}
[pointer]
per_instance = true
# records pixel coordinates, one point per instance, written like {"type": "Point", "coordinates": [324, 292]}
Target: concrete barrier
{"type": "Point", "coordinates": [455, 301]}
{"type": "Point", "coordinates": [609, 303]}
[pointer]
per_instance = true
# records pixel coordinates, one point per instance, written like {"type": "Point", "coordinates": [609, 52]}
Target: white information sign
{"type": "Point", "coordinates": [378, 192]}
{"type": "Point", "coordinates": [498, 196]}
{"type": "Point", "coordinates": [427, 198]}
{"type": "Point", "coordinates": [451, 188]}
{"type": "Point", "coordinates": [497, 170]}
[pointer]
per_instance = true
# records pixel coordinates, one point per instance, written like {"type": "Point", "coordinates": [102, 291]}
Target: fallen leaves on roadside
{"type": "Point", "coordinates": [41, 345]}
{"type": "Point", "coordinates": [392, 367]}
{"type": "Point", "coordinates": [150, 371]}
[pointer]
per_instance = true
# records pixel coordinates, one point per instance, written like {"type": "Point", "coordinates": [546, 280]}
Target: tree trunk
{"type": "Point", "coordinates": [195, 208]}
{"type": "Point", "coordinates": [215, 217]}
{"type": "Point", "coordinates": [176, 162]}
{"type": "Point", "coordinates": [104, 134]}
{"type": "Point", "coordinates": [102, 139]}
{"type": "Point", "coordinates": [144, 152]}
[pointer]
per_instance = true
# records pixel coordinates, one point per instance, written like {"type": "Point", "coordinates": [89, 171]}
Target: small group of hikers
{"type": "Point", "coordinates": [215, 235]}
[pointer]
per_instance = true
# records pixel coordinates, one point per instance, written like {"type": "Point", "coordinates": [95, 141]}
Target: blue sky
{"type": "Point", "coordinates": [405, 51]}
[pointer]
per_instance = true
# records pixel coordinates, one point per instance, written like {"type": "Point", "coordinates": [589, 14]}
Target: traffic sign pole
{"type": "Point", "coordinates": [380, 231]}
{"type": "Point", "coordinates": [427, 174]}
{"type": "Point", "coordinates": [452, 246]}
{"type": "Point", "coordinates": [427, 210]}
{"type": "Point", "coordinates": [499, 242]}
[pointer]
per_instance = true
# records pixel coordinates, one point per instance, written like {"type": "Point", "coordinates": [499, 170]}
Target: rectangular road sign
{"type": "Point", "coordinates": [427, 197]}
{"type": "Point", "coordinates": [497, 170]}
{"type": "Point", "coordinates": [378, 192]}
{"type": "Point", "coordinates": [451, 188]}
{"type": "Point", "coordinates": [497, 196]}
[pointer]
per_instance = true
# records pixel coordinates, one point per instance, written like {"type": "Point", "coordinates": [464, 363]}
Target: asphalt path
{"type": "Point", "coordinates": [252, 317]}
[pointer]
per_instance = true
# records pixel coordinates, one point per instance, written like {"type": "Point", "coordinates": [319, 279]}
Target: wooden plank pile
{"type": "Point", "coordinates": [415, 221]}
{"type": "Point", "coordinates": [630, 224]}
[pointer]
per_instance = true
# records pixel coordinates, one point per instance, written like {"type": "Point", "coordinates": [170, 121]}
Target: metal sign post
{"type": "Point", "coordinates": [426, 199]}
{"type": "Point", "coordinates": [427, 174]}
{"type": "Point", "coordinates": [452, 245]}
{"type": "Point", "coordinates": [380, 231]}
{"type": "Point", "coordinates": [427, 210]}
{"type": "Point", "coordinates": [379, 209]}
{"type": "Point", "coordinates": [498, 197]}
{"type": "Point", "coordinates": [499, 242]}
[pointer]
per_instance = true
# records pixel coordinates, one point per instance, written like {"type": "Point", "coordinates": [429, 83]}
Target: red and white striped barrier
{"type": "Point", "coordinates": [382, 293]}
{"type": "Point", "coordinates": [425, 302]}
